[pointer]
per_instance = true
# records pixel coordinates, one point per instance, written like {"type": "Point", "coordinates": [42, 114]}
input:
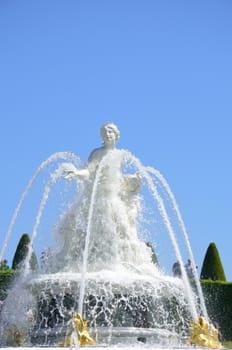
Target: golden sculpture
{"type": "Point", "coordinates": [80, 328]}
{"type": "Point", "coordinates": [15, 337]}
{"type": "Point", "coordinates": [204, 334]}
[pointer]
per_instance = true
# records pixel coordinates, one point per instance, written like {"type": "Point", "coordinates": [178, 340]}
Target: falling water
{"type": "Point", "coordinates": [185, 235]}
{"type": "Point", "coordinates": [144, 283]}
{"type": "Point", "coordinates": [53, 178]}
{"type": "Point", "coordinates": [86, 247]}
{"type": "Point", "coordinates": [170, 230]}
{"type": "Point", "coordinates": [52, 158]}
{"type": "Point", "coordinates": [90, 223]}
{"type": "Point", "coordinates": [128, 157]}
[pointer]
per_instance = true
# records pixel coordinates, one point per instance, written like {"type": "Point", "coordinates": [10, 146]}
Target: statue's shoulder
{"type": "Point", "coordinates": [96, 154]}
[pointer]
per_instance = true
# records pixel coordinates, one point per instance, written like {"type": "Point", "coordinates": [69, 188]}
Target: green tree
{"type": "Point", "coordinates": [21, 254]}
{"type": "Point", "coordinates": [212, 268]}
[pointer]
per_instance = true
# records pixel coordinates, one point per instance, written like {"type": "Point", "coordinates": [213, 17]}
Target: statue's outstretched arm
{"type": "Point", "coordinates": [74, 173]}
{"type": "Point", "coordinates": [82, 174]}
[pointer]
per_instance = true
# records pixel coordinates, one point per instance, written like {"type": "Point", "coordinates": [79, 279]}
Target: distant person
{"type": "Point", "coordinates": [189, 269]}
{"type": "Point", "coordinates": [44, 261]}
{"type": "Point", "coordinates": [176, 270]}
{"type": "Point", "coordinates": [1, 304]}
{"type": "Point", "coordinates": [4, 265]}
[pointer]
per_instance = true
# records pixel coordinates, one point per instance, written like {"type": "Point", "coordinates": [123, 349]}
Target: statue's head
{"type": "Point", "coordinates": [113, 127]}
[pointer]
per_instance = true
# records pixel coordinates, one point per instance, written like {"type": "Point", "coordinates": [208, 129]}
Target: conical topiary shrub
{"type": "Point", "coordinates": [21, 253]}
{"type": "Point", "coordinates": [212, 268]}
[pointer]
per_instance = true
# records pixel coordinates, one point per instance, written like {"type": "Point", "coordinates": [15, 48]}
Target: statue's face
{"type": "Point", "coordinates": [108, 135]}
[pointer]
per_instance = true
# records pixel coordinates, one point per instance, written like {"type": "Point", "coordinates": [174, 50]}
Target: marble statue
{"type": "Point", "coordinates": [116, 202]}
{"type": "Point", "coordinates": [110, 135]}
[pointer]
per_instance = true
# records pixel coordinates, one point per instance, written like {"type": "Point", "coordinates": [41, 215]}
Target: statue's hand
{"type": "Point", "coordinates": [69, 175]}
{"type": "Point", "coordinates": [69, 171]}
{"type": "Point", "coordinates": [82, 174]}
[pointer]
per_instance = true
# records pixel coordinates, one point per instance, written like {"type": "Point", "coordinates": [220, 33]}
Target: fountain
{"type": "Point", "coordinates": [101, 266]}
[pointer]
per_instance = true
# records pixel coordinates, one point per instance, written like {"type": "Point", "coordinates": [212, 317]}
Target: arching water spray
{"type": "Point", "coordinates": [52, 158]}
{"type": "Point", "coordinates": [101, 166]}
{"type": "Point", "coordinates": [185, 235]}
{"type": "Point", "coordinates": [168, 225]}
{"type": "Point", "coordinates": [129, 158]}
{"type": "Point", "coordinates": [53, 178]}
{"type": "Point", "coordinates": [103, 263]}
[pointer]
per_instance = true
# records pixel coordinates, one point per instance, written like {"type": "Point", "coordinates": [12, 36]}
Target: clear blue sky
{"type": "Point", "coordinates": [160, 70]}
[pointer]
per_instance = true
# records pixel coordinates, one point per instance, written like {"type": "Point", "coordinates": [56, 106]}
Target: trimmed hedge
{"type": "Point", "coordinates": [21, 254]}
{"type": "Point", "coordinates": [212, 268]}
{"type": "Point", "coordinates": [218, 299]}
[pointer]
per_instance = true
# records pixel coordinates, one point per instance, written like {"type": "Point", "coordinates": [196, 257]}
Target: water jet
{"type": "Point", "coordinates": [101, 265]}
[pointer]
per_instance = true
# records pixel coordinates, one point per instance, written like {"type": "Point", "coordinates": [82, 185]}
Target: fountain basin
{"type": "Point", "coordinates": [126, 306]}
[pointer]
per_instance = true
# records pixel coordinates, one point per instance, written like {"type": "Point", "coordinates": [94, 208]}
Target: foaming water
{"type": "Point", "coordinates": [128, 231]}
{"type": "Point", "coordinates": [102, 267]}
{"type": "Point", "coordinates": [151, 185]}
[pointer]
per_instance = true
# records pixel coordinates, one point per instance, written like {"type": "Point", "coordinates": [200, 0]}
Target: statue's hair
{"type": "Point", "coordinates": [114, 128]}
